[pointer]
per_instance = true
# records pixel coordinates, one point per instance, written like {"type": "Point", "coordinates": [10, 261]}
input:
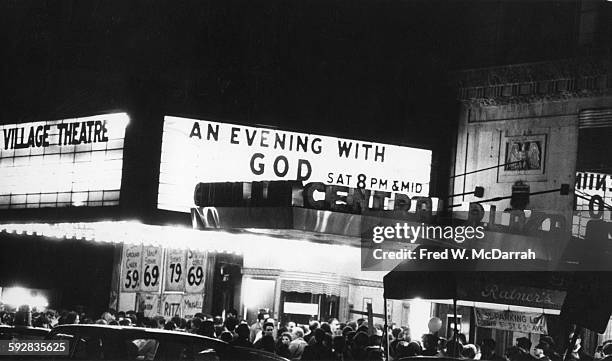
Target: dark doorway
{"type": "Point", "coordinates": [227, 281]}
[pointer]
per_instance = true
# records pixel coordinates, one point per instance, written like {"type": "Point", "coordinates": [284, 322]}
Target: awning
{"type": "Point", "coordinates": [258, 250]}
{"type": "Point", "coordinates": [582, 297]}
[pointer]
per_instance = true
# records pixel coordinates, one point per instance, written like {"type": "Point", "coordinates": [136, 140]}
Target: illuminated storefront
{"type": "Point", "coordinates": [301, 262]}
{"type": "Point", "coordinates": [162, 266]}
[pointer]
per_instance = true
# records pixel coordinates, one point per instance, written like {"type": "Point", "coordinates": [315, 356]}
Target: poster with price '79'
{"type": "Point", "coordinates": [130, 268]}
{"type": "Point", "coordinates": [151, 269]}
{"type": "Point", "coordinates": [175, 270]}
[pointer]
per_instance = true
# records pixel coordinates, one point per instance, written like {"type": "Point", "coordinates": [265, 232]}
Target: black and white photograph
{"type": "Point", "coordinates": [305, 180]}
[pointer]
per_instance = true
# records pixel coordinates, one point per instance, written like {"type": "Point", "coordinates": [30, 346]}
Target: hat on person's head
{"type": "Point", "coordinates": [346, 330]}
{"type": "Point", "coordinates": [548, 340]}
{"type": "Point", "coordinates": [523, 342]}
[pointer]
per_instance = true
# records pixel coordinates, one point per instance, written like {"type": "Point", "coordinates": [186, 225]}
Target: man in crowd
{"type": "Point", "coordinates": [297, 346]}
{"type": "Point", "coordinates": [258, 326]}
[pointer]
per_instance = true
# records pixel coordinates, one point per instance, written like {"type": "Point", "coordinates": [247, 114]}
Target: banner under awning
{"type": "Point", "coordinates": [511, 321]}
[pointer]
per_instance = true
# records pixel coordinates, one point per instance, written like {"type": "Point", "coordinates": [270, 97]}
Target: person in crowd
{"type": "Point", "coordinates": [290, 326]}
{"type": "Point", "coordinates": [577, 353]}
{"type": "Point", "coordinates": [312, 327]}
{"type": "Point", "coordinates": [395, 339]}
{"type": "Point", "coordinates": [297, 345]}
{"type": "Point", "coordinates": [363, 328]}
{"type": "Point", "coordinates": [407, 349]}
{"type": "Point", "coordinates": [170, 326]}
{"type": "Point", "coordinates": [453, 349]}
{"type": "Point", "coordinates": [350, 337]}
{"type": "Point", "coordinates": [430, 344]}
{"type": "Point", "coordinates": [69, 318]}
{"type": "Point", "coordinates": [207, 328]}
{"type": "Point", "coordinates": [268, 330]}
{"type": "Point", "coordinates": [226, 336]}
{"type": "Point", "coordinates": [524, 345]}
{"type": "Point", "coordinates": [358, 348]}
{"type": "Point", "coordinates": [334, 325]}
{"type": "Point", "coordinates": [196, 323]}
{"type": "Point", "coordinates": [159, 320]}
{"type": "Point", "coordinates": [177, 322]}
{"type": "Point", "coordinates": [514, 353]}
{"type": "Point", "coordinates": [487, 350]}
{"type": "Point", "coordinates": [219, 329]}
{"type": "Point", "coordinates": [107, 316]}
{"type": "Point", "coordinates": [374, 349]}
{"type": "Point", "coordinates": [280, 332]}
{"type": "Point", "coordinates": [266, 343]}
{"type": "Point", "coordinates": [353, 325]}
{"type": "Point", "coordinates": [258, 326]}
{"type": "Point", "coordinates": [538, 353]}
{"type": "Point", "coordinates": [469, 351]}
{"type": "Point", "coordinates": [282, 345]}
{"type": "Point", "coordinates": [346, 330]}
{"type": "Point", "coordinates": [230, 323]}
{"type": "Point", "coordinates": [340, 349]}
{"type": "Point", "coordinates": [547, 344]}
{"type": "Point", "coordinates": [242, 336]}
{"type": "Point", "coordinates": [326, 327]}
{"type": "Point", "coordinates": [317, 349]}
{"type": "Point", "coordinates": [41, 321]}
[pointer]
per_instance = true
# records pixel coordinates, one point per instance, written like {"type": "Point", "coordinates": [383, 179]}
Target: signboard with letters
{"type": "Point", "coordinates": [172, 305]}
{"type": "Point", "coordinates": [151, 269]}
{"type": "Point", "coordinates": [144, 267]}
{"type": "Point", "coordinates": [149, 304]}
{"type": "Point", "coordinates": [130, 268]}
{"type": "Point", "coordinates": [593, 201]}
{"type": "Point", "coordinates": [511, 321]}
{"type": "Point", "coordinates": [175, 270]}
{"type": "Point", "coordinates": [80, 160]}
{"type": "Point", "coordinates": [195, 151]}
{"type": "Point", "coordinates": [192, 304]}
{"type": "Point", "coordinates": [513, 295]}
{"type": "Point", "coordinates": [196, 268]}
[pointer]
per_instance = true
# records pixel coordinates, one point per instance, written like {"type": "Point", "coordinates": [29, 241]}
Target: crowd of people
{"type": "Point", "coordinates": [329, 340]}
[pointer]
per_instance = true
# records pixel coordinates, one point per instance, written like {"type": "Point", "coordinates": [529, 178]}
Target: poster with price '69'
{"type": "Point", "coordinates": [130, 268]}
{"type": "Point", "coordinates": [196, 265]}
{"type": "Point", "coordinates": [175, 270]}
{"type": "Point", "coordinates": [151, 269]}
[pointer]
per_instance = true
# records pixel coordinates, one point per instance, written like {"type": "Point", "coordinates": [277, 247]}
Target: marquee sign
{"type": "Point", "coordinates": [61, 163]}
{"type": "Point", "coordinates": [593, 203]}
{"type": "Point", "coordinates": [195, 151]}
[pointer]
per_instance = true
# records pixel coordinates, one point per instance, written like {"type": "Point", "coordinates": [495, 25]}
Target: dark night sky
{"type": "Point", "coordinates": [353, 68]}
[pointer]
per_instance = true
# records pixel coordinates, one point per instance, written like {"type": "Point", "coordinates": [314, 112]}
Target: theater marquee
{"type": "Point", "coordinates": [196, 151]}
{"type": "Point", "coordinates": [60, 163]}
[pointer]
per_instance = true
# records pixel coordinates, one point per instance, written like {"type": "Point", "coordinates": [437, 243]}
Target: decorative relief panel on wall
{"type": "Point", "coordinates": [522, 157]}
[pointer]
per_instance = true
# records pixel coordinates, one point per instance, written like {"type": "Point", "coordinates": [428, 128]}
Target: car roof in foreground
{"type": "Point", "coordinates": [131, 329]}
{"type": "Point", "coordinates": [424, 358]}
{"type": "Point", "coordinates": [24, 328]}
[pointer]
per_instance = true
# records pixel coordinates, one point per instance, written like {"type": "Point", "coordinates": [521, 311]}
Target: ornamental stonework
{"type": "Point", "coordinates": [535, 82]}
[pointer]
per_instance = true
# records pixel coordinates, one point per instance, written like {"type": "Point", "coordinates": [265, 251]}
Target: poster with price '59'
{"type": "Point", "coordinates": [175, 270]}
{"type": "Point", "coordinates": [130, 269]}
